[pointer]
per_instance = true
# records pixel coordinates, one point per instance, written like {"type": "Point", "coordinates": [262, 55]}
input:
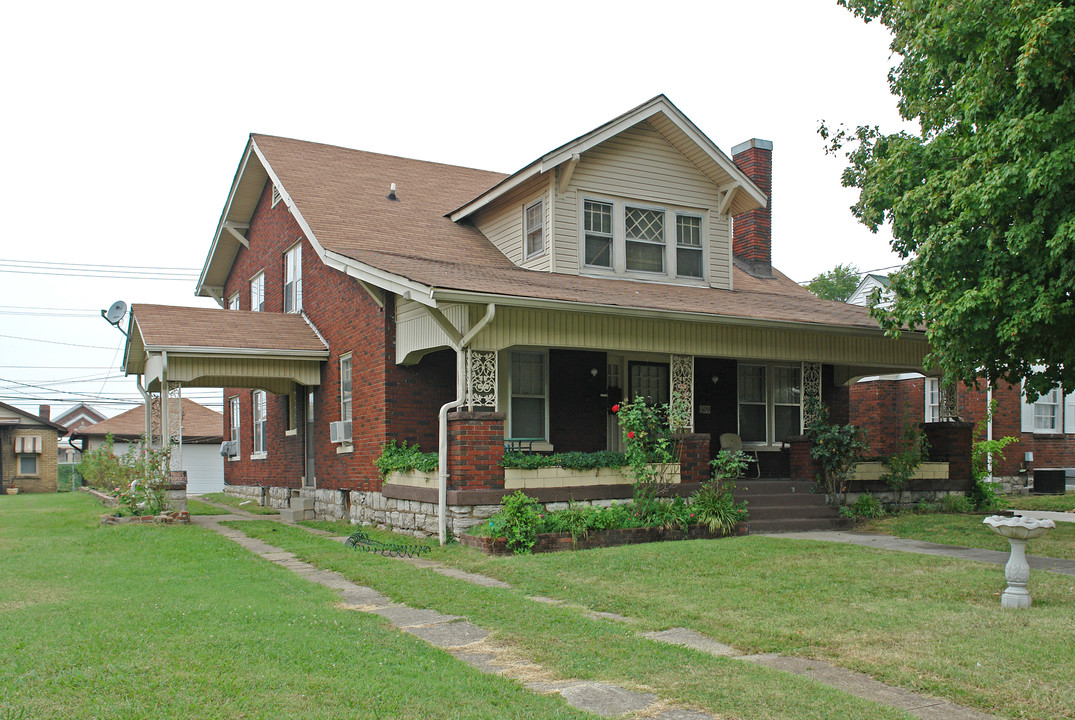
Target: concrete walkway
{"type": "Point", "coordinates": [890, 542]}
{"type": "Point", "coordinates": [1047, 515]}
{"type": "Point", "coordinates": [471, 643]}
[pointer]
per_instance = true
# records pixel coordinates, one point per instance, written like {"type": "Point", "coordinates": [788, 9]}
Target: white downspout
{"type": "Point", "coordinates": [442, 421]}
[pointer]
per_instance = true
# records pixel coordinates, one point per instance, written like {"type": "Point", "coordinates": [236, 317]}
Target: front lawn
{"type": "Point", "coordinates": [147, 621]}
{"type": "Point", "coordinates": [969, 531]}
{"type": "Point", "coordinates": [1055, 503]}
{"type": "Point", "coordinates": [930, 624]}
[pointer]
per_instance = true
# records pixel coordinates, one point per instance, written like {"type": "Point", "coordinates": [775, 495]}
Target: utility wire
{"type": "Point", "coordinates": [48, 263]}
{"type": "Point", "coordinates": [56, 342]}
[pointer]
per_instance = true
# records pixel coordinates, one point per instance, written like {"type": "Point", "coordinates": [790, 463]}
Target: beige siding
{"type": "Point", "coordinates": [543, 328]}
{"type": "Point", "coordinates": [502, 224]}
{"type": "Point", "coordinates": [640, 164]}
{"type": "Point", "coordinates": [272, 374]}
{"type": "Point", "coordinates": [417, 333]}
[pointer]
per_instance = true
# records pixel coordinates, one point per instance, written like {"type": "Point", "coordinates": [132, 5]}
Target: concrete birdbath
{"type": "Point", "coordinates": [1018, 530]}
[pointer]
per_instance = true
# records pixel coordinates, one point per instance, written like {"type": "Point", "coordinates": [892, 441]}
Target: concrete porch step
{"type": "Point", "coordinates": [302, 503]}
{"type": "Point", "coordinates": [799, 499]}
{"type": "Point", "coordinates": [788, 512]}
{"type": "Point", "coordinates": [763, 486]}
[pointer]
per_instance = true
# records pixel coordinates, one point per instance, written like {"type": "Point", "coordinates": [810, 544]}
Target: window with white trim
{"type": "Point", "coordinates": [770, 403]}
{"type": "Point", "coordinates": [236, 415]}
{"type": "Point", "coordinates": [529, 404]}
{"type": "Point", "coordinates": [27, 464]}
{"type": "Point", "coordinates": [260, 413]}
{"type": "Point", "coordinates": [1047, 409]}
{"type": "Point", "coordinates": [534, 217]}
{"type": "Point", "coordinates": [642, 240]}
{"type": "Point", "coordinates": [257, 292]}
{"type": "Point", "coordinates": [233, 302]}
{"type": "Point", "coordinates": [346, 396]}
{"type": "Point", "coordinates": [293, 279]}
{"type": "Point", "coordinates": [933, 400]}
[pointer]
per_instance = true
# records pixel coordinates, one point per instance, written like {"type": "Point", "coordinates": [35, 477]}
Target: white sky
{"type": "Point", "coordinates": [124, 123]}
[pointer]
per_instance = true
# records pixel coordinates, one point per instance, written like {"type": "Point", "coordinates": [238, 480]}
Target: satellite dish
{"type": "Point", "coordinates": [115, 313]}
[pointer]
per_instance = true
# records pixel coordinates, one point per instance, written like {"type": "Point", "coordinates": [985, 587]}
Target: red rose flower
{"type": "Point", "coordinates": [631, 434]}
{"type": "Point", "coordinates": [616, 408]}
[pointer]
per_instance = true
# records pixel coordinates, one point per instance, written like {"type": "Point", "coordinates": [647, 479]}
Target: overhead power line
{"type": "Point", "coordinates": [93, 270]}
{"type": "Point", "coordinates": [57, 342]}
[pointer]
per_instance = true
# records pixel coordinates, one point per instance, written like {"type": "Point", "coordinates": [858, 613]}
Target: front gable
{"type": "Point", "coordinates": [650, 162]}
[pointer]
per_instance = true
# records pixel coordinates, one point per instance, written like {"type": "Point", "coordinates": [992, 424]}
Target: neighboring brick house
{"type": "Point", "coordinates": [197, 452]}
{"type": "Point", "coordinates": [74, 420]}
{"type": "Point", "coordinates": [373, 298]}
{"type": "Point", "coordinates": [1045, 428]}
{"type": "Point", "coordinates": [27, 450]}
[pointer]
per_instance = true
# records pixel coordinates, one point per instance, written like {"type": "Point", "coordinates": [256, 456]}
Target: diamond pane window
{"type": "Point", "coordinates": [598, 225]}
{"type": "Point", "coordinates": [644, 239]}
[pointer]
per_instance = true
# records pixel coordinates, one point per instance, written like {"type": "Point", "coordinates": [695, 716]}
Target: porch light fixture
{"type": "Point", "coordinates": [593, 372]}
{"type": "Point", "coordinates": [714, 379]}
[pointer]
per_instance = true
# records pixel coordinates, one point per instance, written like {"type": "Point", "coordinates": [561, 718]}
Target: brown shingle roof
{"type": "Point", "coordinates": [341, 193]}
{"type": "Point", "coordinates": [200, 424]}
{"type": "Point", "coordinates": [166, 326]}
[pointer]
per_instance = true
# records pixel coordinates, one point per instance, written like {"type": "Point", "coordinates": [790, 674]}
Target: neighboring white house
{"type": "Point", "coordinates": [200, 453]}
{"type": "Point", "coordinates": [867, 285]}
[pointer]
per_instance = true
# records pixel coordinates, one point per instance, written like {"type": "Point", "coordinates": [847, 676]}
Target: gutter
{"type": "Point", "coordinates": [442, 419]}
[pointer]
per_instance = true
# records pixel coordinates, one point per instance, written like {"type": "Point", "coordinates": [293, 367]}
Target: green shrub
{"type": "Point", "coordinates": [101, 468]}
{"type": "Point", "coordinates": [649, 447]}
{"type": "Point", "coordinates": [730, 464]}
{"type": "Point", "coordinates": [713, 506]}
{"type": "Point", "coordinates": [402, 457]}
{"type": "Point", "coordinates": [837, 448]}
{"type": "Point", "coordinates": [517, 521]}
{"type": "Point", "coordinates": [955, 504]}
{"type": "Point", "coordinates": [903, 465]}
{"type": "Point", "coordinates": [983, 496]}
{"type": "Point", "coordinates": [866, 506]}
{"type": "Point", "coordinates": [567, 460]}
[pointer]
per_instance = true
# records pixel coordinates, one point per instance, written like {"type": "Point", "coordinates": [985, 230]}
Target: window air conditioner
{"type": "Point", "coordinates": [228, 449]}
{"type": "Point", "coordinates": [340, 432]}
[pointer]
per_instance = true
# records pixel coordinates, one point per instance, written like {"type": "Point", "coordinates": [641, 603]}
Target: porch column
{"type": "Point", "coordinates": [481, 379]}
{"type": "Point", "coordinates": [681, 404]}
{"type": "Point", "coordinates": [174, 413]}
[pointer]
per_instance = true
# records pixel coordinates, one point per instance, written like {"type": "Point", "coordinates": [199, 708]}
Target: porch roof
{"type": "Point", "coordinates": [207, 347]}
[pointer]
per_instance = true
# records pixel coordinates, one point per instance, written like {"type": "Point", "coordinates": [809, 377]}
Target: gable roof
{"type": "Point", "coordinates": [200, 424]}
{"type": "Point", "coordinates": [670, 122]}
{"type": "Point", "coordinates": [7, 411]}
{"type": "Point", "coordinates": [74, 414]}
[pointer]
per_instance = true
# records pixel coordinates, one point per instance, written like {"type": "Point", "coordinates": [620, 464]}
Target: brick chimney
{"type": "Point", "coordinates": [44, 412]}
{"type": "Point", "coordinates": [752, 232]}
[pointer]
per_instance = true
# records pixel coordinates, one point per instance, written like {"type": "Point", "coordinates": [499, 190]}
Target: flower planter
{"type": "Point", "coordinates": [556, 542]}
{"type": "Point", "coordinates": [553, 477]}
{"type": "Point", "coordinates": [926, 471]}
{"type": "Point", "coordinates": [413, 478]}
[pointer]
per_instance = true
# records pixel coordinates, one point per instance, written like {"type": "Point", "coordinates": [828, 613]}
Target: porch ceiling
{"type": "Point", "coordinates": [206, 347]}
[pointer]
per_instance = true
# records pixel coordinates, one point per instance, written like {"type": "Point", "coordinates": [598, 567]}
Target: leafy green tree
{"type": "Point", "coordinates": [982, 199]}
{"type": "Point", "coordinates": [835, 284]}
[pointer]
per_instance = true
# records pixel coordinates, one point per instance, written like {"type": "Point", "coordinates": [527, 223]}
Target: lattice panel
{"type": "Point", "coordinates": [681, 407]}
{"type": "Point", "coordinates": [481, 379]}
{"type": "Point", "coordinates": [949, 401]}
{"type": "Point", "coordinates": [811, 388]}
{"type": "Point", "coordinates": [175, 423]}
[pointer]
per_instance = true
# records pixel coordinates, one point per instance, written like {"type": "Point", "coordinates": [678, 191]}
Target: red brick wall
{"type": "Point", "coordinates": [752, 231]}
{"type": "Point", "coordinates": [416, 393]}
{"type": "Point", "coordinates": [882, 407]}
{"type": "Point", "coordinates": [475, 449]}
{"type": "Point", "coordinates": [694, 458]}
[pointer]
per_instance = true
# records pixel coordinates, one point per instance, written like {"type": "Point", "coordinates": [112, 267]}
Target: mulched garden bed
{"type": "Point", "coordinates": [555, 542]}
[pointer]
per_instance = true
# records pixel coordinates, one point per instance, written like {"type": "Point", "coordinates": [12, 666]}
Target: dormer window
{"type": "Point", "coordinates": [535, 228]}
{"type": "Point", "coordinates": [634, 239]}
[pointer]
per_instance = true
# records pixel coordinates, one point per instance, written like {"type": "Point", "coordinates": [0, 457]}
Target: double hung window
{"type": "Point", "coordinates": [770, 403]}
{"type": "Point", "coordinates": [528, 395]}
{"type": "Point", "coordinates": [933, 400]}
{"type": "Point", "coordinates": [293, 279]}
{"type": "Point", "coordinates": [257, 292]}
{"type": "Point", "coordinates": [535, 228]}
{"type": "Point", "coordinates": [1047, 410]}
{"type": "Point", "coordinates": [236, 423]}
{"type": "Point", "coordinates": [642, 240]}
{"type": "Point", "coordinates": [259, 403]}
{"type": "Point", "coordinates": [233, 302]}
{"type": "Point", "coordinates": [345, 388]}
{"type": "Point", "coordinates": [27, 464]}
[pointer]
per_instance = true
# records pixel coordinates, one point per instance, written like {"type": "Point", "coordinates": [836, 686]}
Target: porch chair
{"type": "Point", "coordinates": [732, 443]}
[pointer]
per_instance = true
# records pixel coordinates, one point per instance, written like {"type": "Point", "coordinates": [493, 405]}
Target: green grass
{"type": "Point", "coordinates": [178, 622]}
{"type": "Point", "coordinates": [1055, 503]}
{"type": "Point", "coordinates": [969, 531]}
{"type": "Point", "coordinates": [929, 624]}
{"type": "Point", "coordinates": [197, 507]}
{"type": "Point", "coordinates": [244, 504]}
{"type": "Point", "coordinates": [573, 645]}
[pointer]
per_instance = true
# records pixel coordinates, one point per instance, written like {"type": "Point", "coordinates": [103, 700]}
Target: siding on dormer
{"type": "Point", "coordinates": [502, 224]}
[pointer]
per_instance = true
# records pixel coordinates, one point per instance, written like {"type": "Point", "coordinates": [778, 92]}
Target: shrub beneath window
{"type": "Point", "coordinates": [402, 457]}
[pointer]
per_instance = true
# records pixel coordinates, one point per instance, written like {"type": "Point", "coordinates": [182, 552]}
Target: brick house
{"type": "Point", "coordinates": [1045, 429]}
{"type": "Point", "coordinates": [368, 298]}
{"type": "Point", "coordinates": [27, 450]}
{"type": "Point", "coordinates": [74, 420]}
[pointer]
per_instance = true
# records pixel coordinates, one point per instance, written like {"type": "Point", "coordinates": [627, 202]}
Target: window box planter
{"type": "Point", "coordinates": [550, 477]}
